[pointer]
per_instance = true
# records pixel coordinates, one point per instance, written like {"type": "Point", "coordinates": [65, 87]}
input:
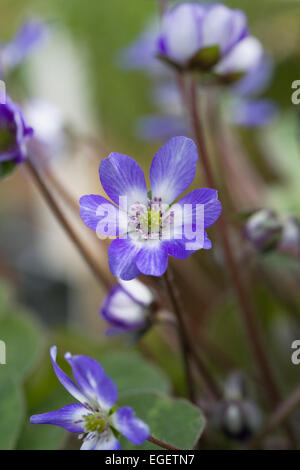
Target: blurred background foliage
{"type": "Point", "coordinates": [49, 305]}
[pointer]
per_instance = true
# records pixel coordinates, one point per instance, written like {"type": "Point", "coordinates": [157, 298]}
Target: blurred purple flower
{"type": "Point", "coordinates": [141, 54]}
{"type": "Point", "coordinates": [13, 133]}
{"type": "Point", "coordinates": [127, 307]}
{"type": "Point", "coordinates": [150, 221]}
{"type": "Point", "coordinates": [252, 113]}
{"type": "Point", "coordinates": [95, 416]}
{"type": "Point", "coordinates": [215, 38]}
{"type": "Point", "coordinates": [48, 123]}
{"type": "Point", "coordinates": [161, 127]}
{"type": "Point", "coordinates": [257, 80]}
{"type": "Point", "coordinates": [30, 35]}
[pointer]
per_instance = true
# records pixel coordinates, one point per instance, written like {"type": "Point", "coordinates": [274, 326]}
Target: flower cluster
{"type": "Point", "coordinates": [95, 418]}
{"type": "Point", "coordinates": [149, 227]}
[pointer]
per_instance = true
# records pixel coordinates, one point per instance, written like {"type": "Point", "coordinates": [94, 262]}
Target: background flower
{"type": "Point", "coordinates": [127, 307]}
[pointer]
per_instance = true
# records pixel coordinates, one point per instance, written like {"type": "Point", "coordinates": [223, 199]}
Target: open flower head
{"type": "Point", "coordinates": [149, 225]}
{"type": "Point", "coordinates": [127, 307]}
{"type": "Point", "coordinates": [96, 417]}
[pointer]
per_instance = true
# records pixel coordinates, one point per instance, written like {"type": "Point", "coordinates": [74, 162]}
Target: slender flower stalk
{"type": "Point", "coordinates": [250, 320]}
{"type": "Point", "coordinates": [248, 315]}
{"type": "Point", "coordinates": [190, 355]}
{"type": "Point", "coordinates": [182, 334]}
{"type": "Point", "coordinates": [60, 216]}
{"type": "Point", "coordinates": [162, 444]}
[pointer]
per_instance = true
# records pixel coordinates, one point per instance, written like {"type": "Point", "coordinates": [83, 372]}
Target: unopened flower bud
{"type": "Point", "coordinates": [290, 239]}
{"type": "Point", "coordinates": [263, 229]}
{"type": "Point", "coordinates": [238, 419]}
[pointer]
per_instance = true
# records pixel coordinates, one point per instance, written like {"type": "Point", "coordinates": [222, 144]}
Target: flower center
{"type": "Point", "coordinates": [94, 423]}
{"type": "Point", "coordinates": [151, 221]}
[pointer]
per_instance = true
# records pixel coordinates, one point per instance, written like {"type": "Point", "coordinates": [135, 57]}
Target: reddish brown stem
{"type": "Point", "coordinates": [181, 329]}
{"type": "Point", "coordinates": [252, 326]}
{"type": "Point", "coordinates": [50, 200]}
{"type": "Point", "coordinates": [162, 444]}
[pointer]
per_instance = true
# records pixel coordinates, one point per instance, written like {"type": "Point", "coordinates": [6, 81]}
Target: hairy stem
{"type": "Point", "coordinates": [60, 216]}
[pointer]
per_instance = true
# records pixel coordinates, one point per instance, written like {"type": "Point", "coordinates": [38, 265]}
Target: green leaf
{"type": "Point", "coordinates": [23, 340]}
{"type": "Point", "coordinates": [174, 421]}
{"type": "Point", "coordinates": [132, 373]}
{"type": "Point", "coordinates": [11, 412]}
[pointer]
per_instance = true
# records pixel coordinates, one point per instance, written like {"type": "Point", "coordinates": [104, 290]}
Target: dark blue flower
{"type": "Point", "coordinates": [150, 226]}
{"type": "Point", "coordinates": [95, 416]}
{"type": "Point", "coordinates": [13, 133]}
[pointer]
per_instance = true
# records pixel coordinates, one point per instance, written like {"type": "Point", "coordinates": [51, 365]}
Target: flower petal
{"type": "Point", "coordinates": [223, 27]}
{"type": "Point", "coordinates": [69, 417]}
{"type": "Point", "coordinates": [103, 441]}
{"type": "Point", "coordinates": [138, 291]}
{"type": "Point", "coordinates": [178, 248]}
{"type": "Point", "coordinates": [245, 55]}
{"type": "Point", "coordinates": [125, 421]}
{"type": "Point", "coordinates": [122, 310]}
{"type": "Point", "coordinates": [122, 176]}
{"type": "Point", "coordinates": [90, 376]}
{"type": "Point", "coordinates": [101, 215]}
{"type": "Point", "coordinates": [152, 258]}
{"type": "Point", "coordinates": [181, 32]}
{"type": "Point", "coordinates": [188, 205]}
{"type": "Point", "coordinates": [66, 382]}
{"type": "Point", "coordinates": [252, 113]}
{"type": "Point", "coordinates": [173, 168]}
{"type": "Point", "coordinates": [161, 127]}
{"type": "Point", "coordinates": [121, 258]}
{"type": "Point", "coordinates": [31, 33]}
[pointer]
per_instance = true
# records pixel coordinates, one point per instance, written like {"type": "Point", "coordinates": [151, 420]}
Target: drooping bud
{"type": "Point", "coordinates": [237, 416]}
{"type": "Point", "coordinates": [290, 239]}
{"type": "Point", "coordinates": [263, 229]}
{"type": "Point", "coordinates": [127, 307]}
